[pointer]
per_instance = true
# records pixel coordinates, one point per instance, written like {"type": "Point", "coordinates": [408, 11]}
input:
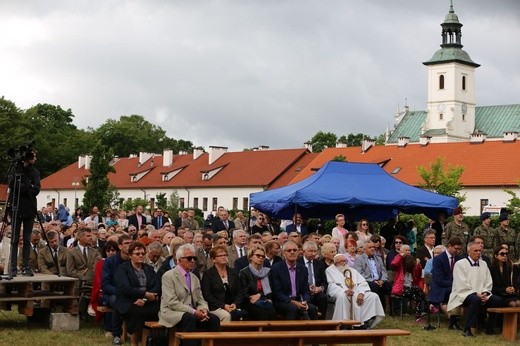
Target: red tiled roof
{"type": "Point", "coordinates": [246, 168]}
{"type": "Point", "coordinates": [492, 163]}
{"type": "Point", "coordinates": [294, 170]}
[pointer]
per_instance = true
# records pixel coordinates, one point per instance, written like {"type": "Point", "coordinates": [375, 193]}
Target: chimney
{"type": "Point", "coordinates": [367, 144]}
{"type": "Point", "coordinates": [215, 153]}
{"type": "Point", "coordinates": [167, 159]}
{"type": "Point", "coordinates": [197, 152]}
{"type": "Point", "coordinates": [424, 140]}
{"type": "Point", "coordinates": [263, 147]}
{"type": "Point", "coordinates": [341, 145]}
{"type": "Point", "coordinates": [308, 145]}
{"type": "Point", "coordinates": [510, 136]}
{"type": "Point", "coordinates": [88, 158]}
{"type": "Point", "coordinates": [81, 161]}
{"type": "Point", "coordinates": [477, 137]}
{"type": "Point", "coordinates": [143, 157]}
{"type": "Point", "coordinates": [403, 141]}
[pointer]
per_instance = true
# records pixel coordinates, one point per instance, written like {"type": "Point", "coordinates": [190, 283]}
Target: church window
{"type": "Point", "coordinates": [463, 82]}
{"type": "Point", "coordinates": [441, 82]}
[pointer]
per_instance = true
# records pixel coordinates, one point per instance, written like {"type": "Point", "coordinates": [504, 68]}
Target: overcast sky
{"type": "Point", "coordinates": [246, 73]}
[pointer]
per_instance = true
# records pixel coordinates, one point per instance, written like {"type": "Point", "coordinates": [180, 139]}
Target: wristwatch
{"type": "Point", "coordinates": [145, 300]}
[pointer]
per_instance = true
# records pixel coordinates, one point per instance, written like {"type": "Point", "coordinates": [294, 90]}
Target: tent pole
{"type": "Point", "coordinates": [249, 217]}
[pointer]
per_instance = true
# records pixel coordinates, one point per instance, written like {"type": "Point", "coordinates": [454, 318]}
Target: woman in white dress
{"type": "Point", "coordinates": [339, 232]}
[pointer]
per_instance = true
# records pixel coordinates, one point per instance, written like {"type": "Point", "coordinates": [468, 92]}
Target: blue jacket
{"type": "Point", "coordinates": [108, 275]}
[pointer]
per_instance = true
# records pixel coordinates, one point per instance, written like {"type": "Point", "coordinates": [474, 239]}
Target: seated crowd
{"type": "Point", "coordinates": [194, 277]}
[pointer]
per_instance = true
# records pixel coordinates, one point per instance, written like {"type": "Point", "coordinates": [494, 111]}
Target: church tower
{"type": "Point", "coordinates": [451, 87]}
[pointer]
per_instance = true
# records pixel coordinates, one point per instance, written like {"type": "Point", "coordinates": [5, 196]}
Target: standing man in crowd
{"type": "Point", "coordinates": [190, 222]}
{"type": "Point", "coordinates": [487, 233]}
{"type": "Point", "coordinates": [457, 228]}
{"type": "Point", "coordinates": [507, 235]}
{"type": "Point", "coordinates": [137, 219]}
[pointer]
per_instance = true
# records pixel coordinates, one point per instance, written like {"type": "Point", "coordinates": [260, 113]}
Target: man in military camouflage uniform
{"type": "Point", "coordinates": [507, 235]}
{"type": "Point", "coordinates": [487, 233]}
{"type": "Point", "coordinates": [456, 228]}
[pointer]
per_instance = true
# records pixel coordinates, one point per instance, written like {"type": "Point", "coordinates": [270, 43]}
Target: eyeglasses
{"type": "Point", "coordinates": [260, 218]}
{"type": "Point", "coordinates": [138, 253]}
{"type": "Point", "coordinates": [503, 253]}
{"type": "Point", "coordinates": [222, 255]}
{"type": "Point", "coordinates": [189, 258]}
{"type": "Point", "coordinates": [259, 256]}
{"type": "Point", "coordinates": [377, 241]}
{"type": "Point", "coordinates": [398, 242]}
{"type": "Point", "coordinates": [364, 224]}
{"type": "Point", "coordinates": [291, 250]}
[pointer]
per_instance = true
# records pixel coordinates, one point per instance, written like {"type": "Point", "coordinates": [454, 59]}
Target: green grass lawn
{"type": "Point", "coordinates": [15, 330]}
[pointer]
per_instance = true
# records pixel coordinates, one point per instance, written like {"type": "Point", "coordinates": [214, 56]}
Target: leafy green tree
{"type": "Point", "coordinates": [161, 201]}
{"type": "Point", "coordinates": [132, 134]}
{"type": "Point", "coordinates": [98, 190]}
{"type": "Point", "coordinates": [173, 201]}
{"type": "Point", "coordinates": [322, 140]}
{"type": "Point", "coordinates": [339, 158]}
{"type": "Point", "coordinates": [439, 179]}
{"type": "Point", "coordinates": [381, 139]}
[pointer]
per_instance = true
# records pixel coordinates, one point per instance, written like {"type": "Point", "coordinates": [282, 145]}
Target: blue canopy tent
{"type": "Point", "coordinates": [358, 190]}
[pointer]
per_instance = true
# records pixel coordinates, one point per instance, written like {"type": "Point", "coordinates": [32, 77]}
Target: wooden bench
{"type": "Point", "coordinates": [106, 309]}
{"type": "Point", "coordinates": [510, 325]}
{"type": "Point", "coordinates": [375, 337]}
{"type": "Point", "coordinates": [260, 326]}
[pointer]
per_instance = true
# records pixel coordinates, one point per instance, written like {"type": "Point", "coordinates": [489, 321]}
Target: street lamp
{"type": "Point", "coordinates": [75, 185]}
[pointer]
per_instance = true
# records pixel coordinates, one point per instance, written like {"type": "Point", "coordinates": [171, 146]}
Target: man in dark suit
{"type": "Point", "coordinates": [204, 261]}
{"type": "Point", "coordinates": [317, 277]}
{"type": "Point", "coordinates": [297, 226]}
{"type": "Point", "coordinates": [159, 220]}
{"type": "Point", "coordinates": [291, 294]}
{"type": "Point", "coordinates": [425, 252]}
{"type": "Point", "coordinates": [439, 225]}
{"type": "Point", "coordinates": [272, 253]}
{"type": "Point", "coordinates": [442, 277]}
{"type": "Point", "coordinates": [223, 223]}
{"type": "Point", "coordinates": [137, 219]}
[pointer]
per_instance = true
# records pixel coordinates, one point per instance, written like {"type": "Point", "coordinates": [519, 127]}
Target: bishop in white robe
{"type": "Point", "coordinates": [367, 307]}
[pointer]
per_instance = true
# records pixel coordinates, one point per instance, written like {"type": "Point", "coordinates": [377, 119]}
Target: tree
{"type": "Point", "coordinates": [339, 158]}
{"type": "Point", "coordinates": [322, 140]}
{"type": "Point", "coordinates": [98, 190]}
{"type": "Point", "coordinates": [161, 201]}
{"type": "Point", "coordinates": [441, 180]}
{"type": "Point", "coordinates": [131, 134]}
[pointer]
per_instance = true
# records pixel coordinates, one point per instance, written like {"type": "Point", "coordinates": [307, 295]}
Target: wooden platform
{"type": "Point", "coordinates": [52, 288]}
{"type": "Point", "coordinates": [375, 337]}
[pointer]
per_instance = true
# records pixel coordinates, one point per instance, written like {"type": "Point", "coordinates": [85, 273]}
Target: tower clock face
{"type": "Point", "coordinates": [441, 107]}
{"type": "Point", "coordinates": [464, 108]}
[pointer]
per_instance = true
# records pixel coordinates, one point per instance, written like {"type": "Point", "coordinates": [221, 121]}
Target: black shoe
{"type": "Point", "coordinates": [467, 333]}
{"type": "Point", "coordinates": [454, 326]}
{"type": "Point", "coordinates": [27, 272]}
{"type": "Point", "coordinates": [14, 272]}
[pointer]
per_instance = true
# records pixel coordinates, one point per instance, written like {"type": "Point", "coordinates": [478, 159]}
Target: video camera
{"type": "Point", "coordinates": [22, 153]}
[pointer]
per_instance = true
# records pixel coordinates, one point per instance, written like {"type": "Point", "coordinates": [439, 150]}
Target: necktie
{"type": "Point", "coordinates": [188, 283]}
{"type": "Point", "coordinates": [475, 264]}
{"type": "Point", "coordinates": [241, 253]}
{"type": "Point", "coordinates": [159, 223]}
{"type": "Point", "coordinates": [35, 253]}
{"type": "Point", "coordinates": [56, 254]}
{"type": "Point", "coordinates": [226, 224]}
{"type": "Point", "coordinates": [311, 273]}
{"type": "Point", "coordinates": [85, 256]}
{"type": "Point", "coordinates": [452, 263]}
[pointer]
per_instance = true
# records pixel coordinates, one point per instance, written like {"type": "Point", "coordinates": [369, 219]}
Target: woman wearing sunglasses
{"type": "Point", "coordinates": [502, 274]}
{"type": "Point", "coordinates": [255, 286]}
{"type": "Point", "coordinates": [363, 232]}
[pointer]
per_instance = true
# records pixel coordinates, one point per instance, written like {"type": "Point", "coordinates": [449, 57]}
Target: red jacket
{"type": "Point", "coordinates": [398, 285]}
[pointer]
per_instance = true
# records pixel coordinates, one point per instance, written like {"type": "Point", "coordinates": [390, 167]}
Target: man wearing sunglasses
{"type": "Point", "coordinates": [182, 303]}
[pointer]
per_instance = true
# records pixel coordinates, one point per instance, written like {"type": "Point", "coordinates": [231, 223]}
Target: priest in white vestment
{"type": "Point", "coordinates": [472, 285]}
{"type": "Point", "coordinates": [367, 305]}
